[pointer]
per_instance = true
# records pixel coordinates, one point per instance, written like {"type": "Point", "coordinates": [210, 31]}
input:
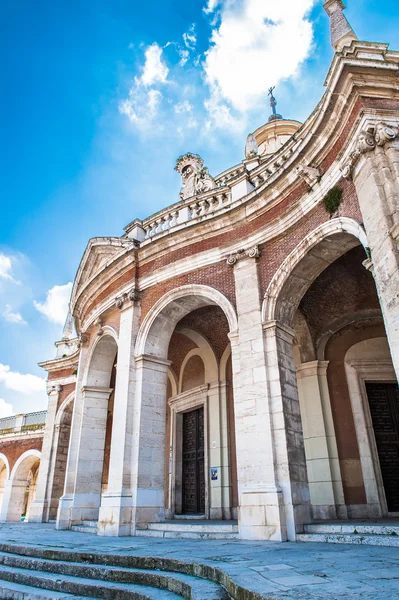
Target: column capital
{"type": "Point", "coordinates": [313, 367]}
{"type": "Point", "coordinates": [150, 358]}
{"type": "Point", "coordinates": [93, 390]}
{"type": "Point", "coordinates": [272, 326]}
{"type": "Point", "coordinates": [127, 298]}
{"type": "Point", "coordinates": [251, 252]}
{"type": "Point", "coordinates": [54, 389]}
{"type": "Point", "coordinates": [365, 141]}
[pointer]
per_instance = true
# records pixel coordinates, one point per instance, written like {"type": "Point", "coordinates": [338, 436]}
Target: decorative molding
{"type": "Point", "coordinates": [55, 389]}
{"type": "Point", "coordinates": [366, 142]}
{"type": "Point", "coordinates": [252, 252]}
{"type": "Point", "coordinates": [99, 325]}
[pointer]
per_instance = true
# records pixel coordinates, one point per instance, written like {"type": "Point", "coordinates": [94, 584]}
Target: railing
{"type": "Point", "coordinates": [21, 423]}
{"type": "Point", "coordinates": [199, 206]}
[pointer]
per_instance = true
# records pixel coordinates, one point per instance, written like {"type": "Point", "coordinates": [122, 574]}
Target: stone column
{"type": "Point", "coordinates": [261, 512]}
{"type": "Point", "coordinates": [39, 507]}
{"type": "Point", "coordinates": [287, 426]}
{"type": "Point", "coordinates": [325, 483]}
{"type": "Point", "coordinates": [148, 453]}
{"type": "Point", "coordinates": [90, 460]}
{"type": "Point", "coordinates": [220, 488]}
{"type": "Point", "coordinates": [374, 167]}
{"type": "Point", "coordinates": [115, 517]}
{"type": "Point", "coordinates": [11, 511]}
{"type": "Point", "coordinates": [66, 500]}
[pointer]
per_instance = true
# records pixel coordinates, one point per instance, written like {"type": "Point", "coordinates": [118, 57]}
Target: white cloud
{"type": "Point", "coordinates": [190, 38]}
{"type": "Point", "coordinates": [184, 56]}
{"type": "Point", "coordinates": [141, 107]}
{"type": "Point", "coordinates": [24, 383]}
{"type": "Point", "coordinates": [211, 6]}
{"type": "Point", "coordinates": [13, 317]}
{"type": "Point", "coordinates": [55, 307]}
{"type": "Point", "coordinates": [6, 409]}
{"type": "Point", "coordinates": [155, 70]}
{"type": "Point", "coordinates": [183, 107]}
{"type": "Point", "coordinates": [256, 44]}
{"type": "Point", "coordinates": [6, 268]}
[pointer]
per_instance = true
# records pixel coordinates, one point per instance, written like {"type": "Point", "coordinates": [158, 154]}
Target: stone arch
{"type": "Point", "coordinates": [315, 252]}
{"type": "Point", "coordinates": [101, 361]}
{"type": "Point", "coordinates": [223, 363]}
{"type": "Point", "coordinates": [194, 357]}
{"type": "Point", "coordinates": [65, 405]}
{"type": "Point", "coordinates": [158, 325]}
{"type": "Point", "coordinates": [206, 352]}
{"type": "Point", "coordinates": [4, 475]}
{"type": "Point", "coordinates": [15, 499]}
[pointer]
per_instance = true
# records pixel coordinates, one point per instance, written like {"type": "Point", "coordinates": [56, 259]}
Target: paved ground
{"type": "Point", "coordinates": [277, 571]}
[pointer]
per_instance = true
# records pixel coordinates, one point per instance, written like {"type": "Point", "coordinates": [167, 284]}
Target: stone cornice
{"type": "Point", "coordinates": [56, 364]}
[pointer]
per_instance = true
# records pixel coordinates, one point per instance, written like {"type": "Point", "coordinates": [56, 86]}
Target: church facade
{"type": "Point", "coordinates": [237, 353]}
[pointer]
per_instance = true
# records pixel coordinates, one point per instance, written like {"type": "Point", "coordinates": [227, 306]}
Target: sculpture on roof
{"type": "Point", "coordinates": [251, 146]}
{"type": "Point", "coordinates": [195, 177]}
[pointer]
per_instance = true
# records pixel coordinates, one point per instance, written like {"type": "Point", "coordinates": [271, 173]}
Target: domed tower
{"type": "Point", "coordinates": [271, 136]}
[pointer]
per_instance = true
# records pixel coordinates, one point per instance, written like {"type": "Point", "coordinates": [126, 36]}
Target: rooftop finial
{"type": "Point", "coordinates": [341, 32]}
{"type": "Point", "coordinates": [273, 102]}
{"type": "Point", "coordinates": [68, 332]}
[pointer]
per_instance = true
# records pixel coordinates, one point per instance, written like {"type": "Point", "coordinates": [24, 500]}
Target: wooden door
{"type": "Point", "coordinates": [384, 408]}
{"type": "Point", "coordinates": [193, 462]}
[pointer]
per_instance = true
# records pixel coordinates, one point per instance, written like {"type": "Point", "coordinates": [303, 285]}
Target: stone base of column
{"type": "Point", "coordinates": [149, 508]}
{"type": "Point", "coordinates": [261, 514]}
{"type": "Point", "coordinates": [64, 513]}
{"type": "Point", "coordinates": [37, 511]}
{"type": "Point", "coordinates": [115, 516]}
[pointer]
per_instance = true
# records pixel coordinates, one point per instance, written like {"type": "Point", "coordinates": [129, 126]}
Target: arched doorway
{"type": "Point", "coordinates": [184, 409]}
{"type": "Point", "coordinates": [328, 298]}
{"type": "Point", "coordinates": [20, 488]}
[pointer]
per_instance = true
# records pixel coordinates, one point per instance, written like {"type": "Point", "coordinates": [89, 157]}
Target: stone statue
{"type": "Point", "coordinates": [251, 146]}
{"type": "Point", "coordinates": [195, 177]}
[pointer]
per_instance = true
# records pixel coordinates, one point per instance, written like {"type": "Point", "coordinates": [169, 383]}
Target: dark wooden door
{"type": "Point", "coordinates": [384, 408]}
{"type": "Point", "coordinates": [193, 462]}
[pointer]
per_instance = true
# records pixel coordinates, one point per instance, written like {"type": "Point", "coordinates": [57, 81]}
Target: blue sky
{"type": "Point", "coordinates": [98, 100]}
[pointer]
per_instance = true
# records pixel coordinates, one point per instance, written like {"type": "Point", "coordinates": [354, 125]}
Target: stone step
{"type": "Point", "coordinates": [17, 591]}
{"type": "Point", "coordinates": [82, 586]}
{"type": "Point", "coordinates": [350, 538]}
{"type": "Point", "coordinates": [159, 581]}
{"type": "Point", "coordinates": [188, 517]}
{"type": "Point", "coordinates": [354, 527]}
{"type": "Point", "coordinates": [185, 534]}
{"type": "Point", "coordinates": [86, 527]}
{"type": "Point", "coordinates": [207, 527]}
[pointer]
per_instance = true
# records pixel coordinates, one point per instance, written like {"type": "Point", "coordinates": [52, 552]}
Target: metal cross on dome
{"type": "Point", "coordinates": [273, 101]}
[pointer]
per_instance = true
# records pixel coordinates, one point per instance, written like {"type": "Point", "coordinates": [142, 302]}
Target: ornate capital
{"type": "Point", "coordinates": [133, 295]}
{"type": "Point", "coordinates": [55, 389]}
{"type": "Point", "coordinates": [234, 257]}
{"type": "Point", "coordinates": [366, 142]}
{"type": "Point", "coordinates": [99, 325]}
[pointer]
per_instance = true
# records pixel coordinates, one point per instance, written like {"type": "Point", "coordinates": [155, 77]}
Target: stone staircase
{"type": "Point", "coordinates": [192, 528]}
{"type": "Point", "coordinates": [34, 573]}
{"type": "Point", "coordinates": [380, 533]}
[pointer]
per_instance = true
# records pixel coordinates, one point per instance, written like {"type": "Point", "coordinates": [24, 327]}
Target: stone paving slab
{"type": "Point", "coordinates": [289, 571]}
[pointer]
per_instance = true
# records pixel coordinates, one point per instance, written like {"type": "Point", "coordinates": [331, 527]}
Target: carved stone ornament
{"type": "Point", "coordinates": [251, 146]}
{"type": "Point", "coordinates": [55, 389]}
{"type": "Point", "coordinates": [384, 133]}
{"type": "Point", "coordinates": [132, 295]}
{"type": "Point", "coordinates": [83, 338]}
{"type": "Point", "coordinates": [309, 174]}
{"type": "Point", "coordinates": [234, 257]}
{"type": "Point", "coordinates": [195, 177]}
{"type": "Point", "coordinates": [99, 325]}
{"type": "Point", "coordinates": [366, 142]}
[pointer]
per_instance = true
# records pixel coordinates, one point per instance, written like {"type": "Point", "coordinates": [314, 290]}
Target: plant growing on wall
{"type": "Point", "coordinates": [332, 200]}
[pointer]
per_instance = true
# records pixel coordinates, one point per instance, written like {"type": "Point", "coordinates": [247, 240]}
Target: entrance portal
{"type": "Point", "coordinates": [384, 408]}
{"type": "Point", "coordinates": [193, 462]}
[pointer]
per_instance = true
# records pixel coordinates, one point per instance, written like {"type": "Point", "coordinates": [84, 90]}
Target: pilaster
{"type": "Point", "coordinates": [115, 516]}
{"type": "Point", "coordinates": [261, 512]}
{"type": "Point", "coordinates": [39, 506]}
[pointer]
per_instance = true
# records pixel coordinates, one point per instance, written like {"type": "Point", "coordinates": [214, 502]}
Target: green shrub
{"type": "Point", "coordinates": [332, 200]}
